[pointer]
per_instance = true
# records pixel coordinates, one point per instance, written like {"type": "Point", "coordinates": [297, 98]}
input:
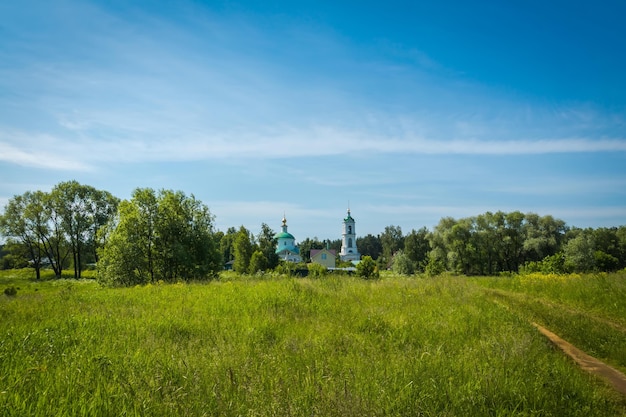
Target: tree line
{"type": "Point", "coordinates": [167, 235]}
{"type": "Point", "coordinates": [493, 243]}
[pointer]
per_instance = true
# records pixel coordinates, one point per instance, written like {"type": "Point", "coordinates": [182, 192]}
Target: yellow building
{"type": "Point", "coordinates": [324, 257]}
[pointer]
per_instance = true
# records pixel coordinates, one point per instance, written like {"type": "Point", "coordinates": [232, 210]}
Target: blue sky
{"type": "Point", "coordinates": [405, 111]}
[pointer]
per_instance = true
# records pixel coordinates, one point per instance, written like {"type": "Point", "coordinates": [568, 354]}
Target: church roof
{"type": "Point", "coordinates": [284, 235]}
{"type": "Point", "coordinates": [289, 249]}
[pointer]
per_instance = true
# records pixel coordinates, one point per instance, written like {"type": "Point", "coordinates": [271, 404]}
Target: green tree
{"type": "Point", "coordinates": [392, 241]}
{"type": "Point", "coordinates": [621, 238]}
{"type": "Point", "coordinates": [243, 250]}
{"type": "Point", "coordinates": [402, 264]}
{"type": "Point", "coordinates": [417, 247]}
{"type": "Point", "coordinates": [82, 210]}
{"type": "Point", "coordinates": [436, 264]}
{"type": "Point", "coordinates": [168, 236]}
{"type": "Point", "coordinates": [605, 262]}
{"type": "Point", "coordinates": [306, 245]}
{"type": "Point", "coordinates": [53, 235]}
{"type": "Point", "coordinates": [579, 252]}
{"type": "Point", "coordinates": [258, 262]}
{"type": "Point", "coordinates": [267, 246]}
{"type": "Point", "coordinates": [367, 268]}
{"type": "Point", "coordinates": [227, 243]}
{"type": "Point", "coordinates": [127, 256]}
{"type": "Point", "coordinates": [21, 223]}
{"type": "Point", "coordinates": [370, 245]}
{"type": "Point", "coordinates": [543, 236]}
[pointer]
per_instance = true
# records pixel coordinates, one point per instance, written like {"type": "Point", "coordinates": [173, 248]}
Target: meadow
{"type": "Point", "coordinates": [333, 346]}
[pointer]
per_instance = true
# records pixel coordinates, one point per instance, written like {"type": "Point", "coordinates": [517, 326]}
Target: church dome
{"type": "Point", "coordinates": [284, 235]}
{"type": "Point", "coordinates": [349, 217]}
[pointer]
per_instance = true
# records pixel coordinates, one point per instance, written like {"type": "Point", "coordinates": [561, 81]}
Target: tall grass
{"type": "Point", "coordinates": [587, 310]}
{"type": "Point", "coordinates": [336, 346]}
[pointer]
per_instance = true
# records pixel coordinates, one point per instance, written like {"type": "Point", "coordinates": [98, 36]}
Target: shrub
{"type": "Point", "coordinates": [401, 264]}
{"type": "Point", "coordinates": [10, 291]}
{"type": "Point", "coordinates": [367, 268]}
{"type": "Point", "coordinates": [317, 270]}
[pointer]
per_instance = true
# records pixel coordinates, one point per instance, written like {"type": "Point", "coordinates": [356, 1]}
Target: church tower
{"type": "Point", "coordinates": [349, 252]}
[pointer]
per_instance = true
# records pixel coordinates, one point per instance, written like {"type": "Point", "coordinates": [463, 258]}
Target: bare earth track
{"type": "Point", "coordinates": [586, 362]}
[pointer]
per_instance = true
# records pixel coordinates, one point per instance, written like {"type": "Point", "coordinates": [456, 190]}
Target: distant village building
{"type": "Point", "coordinates": [349, 251]}
{"type": "Point", "coordinates": [324, 257]}
{"type": "Point", "coordinates": [286, 248]}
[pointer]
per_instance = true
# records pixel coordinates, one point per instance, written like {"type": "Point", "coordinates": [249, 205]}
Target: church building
{"type": "Point", "coordinates": [286, 248]}
{"type": "Point", "coordinates": [349, 251]}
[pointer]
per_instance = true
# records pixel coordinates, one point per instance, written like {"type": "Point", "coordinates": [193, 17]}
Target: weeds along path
{"type": "Point", "coordinates": [576, 324]}
{"type": "Point", "coordinates": [524, 297]}
{"type": "Point", "coordinates": [587, 362]}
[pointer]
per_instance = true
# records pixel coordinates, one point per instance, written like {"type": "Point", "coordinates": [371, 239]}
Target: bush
{"type": "Point", "coordinates": [434, 267]}
{"type": "Point", "coordinates": [10, 291]}
{"type": "Point", "coordinates": [317, 270]}
{"type": "Point", "coordinates": [367, 268]}
{"type": "Point", "coordinates": [401, 264]}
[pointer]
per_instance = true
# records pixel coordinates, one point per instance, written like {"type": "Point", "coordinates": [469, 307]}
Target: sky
{"type": "Point", "coordinates": [404, 112]}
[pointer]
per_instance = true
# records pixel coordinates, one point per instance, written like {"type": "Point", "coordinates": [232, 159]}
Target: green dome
{"type": "Point", "coordinates": [284, 235]}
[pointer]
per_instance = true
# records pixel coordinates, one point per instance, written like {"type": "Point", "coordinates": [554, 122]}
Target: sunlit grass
{"type": "Point", "coordinates": [336, 346]}
{"type": "Point", "coordinates": [587, 310]}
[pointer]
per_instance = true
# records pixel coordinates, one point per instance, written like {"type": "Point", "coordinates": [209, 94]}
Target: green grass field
{"type": "Point", "coordinates": [336, 346]}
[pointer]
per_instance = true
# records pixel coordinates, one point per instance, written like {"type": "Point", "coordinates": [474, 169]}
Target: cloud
{"type": "Point", "coordinates": [80, 154]}
{"type": "Point", "coordinates": [144, 88]}
{"type": "Point", "coordinates": [43, 156]}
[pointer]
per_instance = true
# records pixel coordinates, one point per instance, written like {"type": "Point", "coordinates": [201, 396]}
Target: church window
{"type": "Point", "coordinates": [349, 230]}
{"type": "Point", "coordinates": [323, 256]}
{"type": "Point", "coordinates": [350, 242]}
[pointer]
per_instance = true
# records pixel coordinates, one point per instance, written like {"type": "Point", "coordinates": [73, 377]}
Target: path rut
{"type": "Point", "coordinates": [587, 362]}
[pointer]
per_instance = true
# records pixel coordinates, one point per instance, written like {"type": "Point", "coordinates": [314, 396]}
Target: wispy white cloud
{"type": "Point", "coordinates": [40, 154]}
{"type": "Point", "coordinates": [210, 87]}
{"type": "Point", "coordinates": [562, 186]}
{"type": "Point", "coordinates": [80, 153]}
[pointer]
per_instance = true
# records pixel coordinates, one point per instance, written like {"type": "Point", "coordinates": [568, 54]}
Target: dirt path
{"type": "Point", "coordinates": [521, 296]}
{"type": "Point", "coordinates": [586, 362]}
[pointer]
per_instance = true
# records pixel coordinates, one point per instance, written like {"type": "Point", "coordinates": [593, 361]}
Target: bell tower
{"type": "Point", "coordinates": [349, 251]}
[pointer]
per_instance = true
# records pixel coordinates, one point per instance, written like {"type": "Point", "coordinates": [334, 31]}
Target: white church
{"type": "Point", "coordinates": [287, 250]}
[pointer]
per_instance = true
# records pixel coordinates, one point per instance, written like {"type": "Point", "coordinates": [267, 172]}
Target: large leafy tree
{"type": "Point", "coordinates": [402, 264]}
{"type": "Point", "coordinates": [258, 262]}
{"type": "Point", "coordinates": [165, 236]}
{"type": "Point", "coordinates": [543, 236]}
{"type": "Point", "coordinates": [392, 241]}
{"type": "Point", "coordinates": [34, 226]}
{"type": "Point", "coordinates": [82, 210]}
{"type": "Point", "coordinates": [417, 247]}
{"type": "Point", "coordinates": [267, 245]}
{"type": "Point", "coordinates": [227, 243]}
{"type": "Point", "coordinates": [243, 249]}
{"type": "Point", "coordinates": [579, 252]}
{"type": "Point", "coordinates": [21, 223]}
{"type": "Point", "coordinates": [370, 245]}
